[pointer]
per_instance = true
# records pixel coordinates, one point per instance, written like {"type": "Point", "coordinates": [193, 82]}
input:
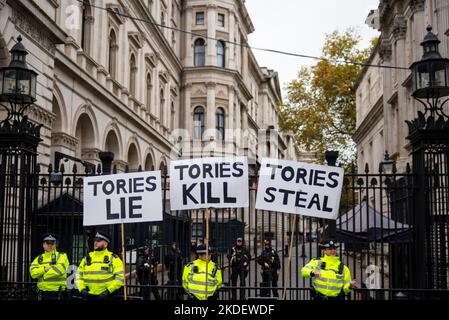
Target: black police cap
{"type": "Point", "coordinates": [328, 244]}
{"type": "Point", "coordinates": [49, 237]}
{"type": "Point", "coordinates": [102, 236]}
{"type": "Point", "coordinates": [201, 249]}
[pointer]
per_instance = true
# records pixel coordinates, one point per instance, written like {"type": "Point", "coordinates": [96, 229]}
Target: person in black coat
{"type": "Point", "coordinates": [173, 261]}
{"type": "Point", "coordinates": [239, 258]}
{"type": "Point", "coordinates": [146, 267]}
{"type": "Point", "coordinates": [271, 265]}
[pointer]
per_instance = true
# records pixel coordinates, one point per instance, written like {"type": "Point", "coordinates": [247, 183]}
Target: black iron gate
{"type": "Point", "coordinates": [375, 229]}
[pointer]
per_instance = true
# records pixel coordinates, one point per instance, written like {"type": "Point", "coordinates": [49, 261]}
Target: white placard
{"type": "Point", "coordinates": [122, 198]}
{"type": "Point", "coordinates": [301, 188]}
{"type": "Point", "coordinates": [220, 182]}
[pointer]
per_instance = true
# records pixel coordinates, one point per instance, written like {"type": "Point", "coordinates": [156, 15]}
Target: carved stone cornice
{"type": "Point", "coordinates": [41, 115]}
{"type": "Point", "coordinates": [399, 27]}
{"type": "Point", "coordinates": [31, 27]}
{"type": "Point", "coordinates": [2, 4]}
{"type": "Point", "coordinates": [385, 50]}
{"type": "Point", "coordinates": [65, 140]}
{"type": "Point", "coordinates": [417, 5]}
{"type": "Point", "coordinates": [90, 153]}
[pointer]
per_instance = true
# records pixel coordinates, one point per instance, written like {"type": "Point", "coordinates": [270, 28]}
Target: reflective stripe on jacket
{"type": "Point", "coordinates": [330, 282]}
{"type": "Point", "coordinates": [55, 277]}
{"type": "Point", "coordinates": [195, 282]}
{"type": "Point", "coordinates": [104, 272]}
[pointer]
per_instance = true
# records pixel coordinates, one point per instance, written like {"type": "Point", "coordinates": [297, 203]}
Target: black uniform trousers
{"type": "Point", "coordinates": [269, 279]}
{"type": "Point", "coordinates": [238, 272]}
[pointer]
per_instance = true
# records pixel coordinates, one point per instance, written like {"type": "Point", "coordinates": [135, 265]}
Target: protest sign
{"type": "Point", "coordinates": [122, 198]}
{"type": "Point", "coordinates": [220, 182]}
{"type": "Point", "coordinates": [302, 188]}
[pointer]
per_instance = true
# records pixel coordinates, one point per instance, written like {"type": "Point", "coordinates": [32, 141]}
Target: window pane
{"type": "Point", "coordinates": [220, 54]}
{"type": "Point", "coordinates": [199, 52]}
{"type": "Point", "coordinates": [221, 20]}
{"type": "Point", "coordinates": [198, 123]}
{"type": "Point", "coordinates": [200, 18]}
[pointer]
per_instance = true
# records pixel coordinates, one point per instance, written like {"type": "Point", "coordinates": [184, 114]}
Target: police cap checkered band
{"type": "Point", "coordinates": [328, 244]}
{"type": "Point", "coordinates": [101, 236]}
{"type": "Point", "coordinates": [49, 238]}
{"type": "Point", "coordinates": [201, 249]}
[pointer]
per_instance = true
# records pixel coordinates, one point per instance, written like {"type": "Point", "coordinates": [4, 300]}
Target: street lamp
{"type": "Point", "coordinates": [388, 166]}
{"type": "Point", "coordinates": [431, 76]}
{"type": "Point", "coordinates": [17, 82]}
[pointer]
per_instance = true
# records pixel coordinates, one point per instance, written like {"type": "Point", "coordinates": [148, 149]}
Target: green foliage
{"type": "Point", "coordinates": [320, 106]}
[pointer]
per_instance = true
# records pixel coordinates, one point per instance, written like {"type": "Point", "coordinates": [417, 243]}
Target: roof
{"type": "Point", "coordinates": [364, 221]}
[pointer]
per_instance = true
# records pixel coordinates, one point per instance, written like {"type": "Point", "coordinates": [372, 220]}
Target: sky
{"type": "Point", "coordinates": [300, 26]}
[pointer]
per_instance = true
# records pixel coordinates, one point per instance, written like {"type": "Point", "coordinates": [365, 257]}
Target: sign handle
{"type": "Point", "coordinates": [124, 260]}
{"type": "Point", "coordinates": [290, 256]}
{"type": "Point", "coordinates": [207, 250]}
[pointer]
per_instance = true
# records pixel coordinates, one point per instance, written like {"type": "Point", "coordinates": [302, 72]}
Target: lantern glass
{"type": "Point", "coordinates": [33, 86]}
{"type": "Point", "coordinates": [440, 70]}
{"type": "Point", "coordinates": [10, 80]}
{"type": "Point", "coordinates": [23, 82]}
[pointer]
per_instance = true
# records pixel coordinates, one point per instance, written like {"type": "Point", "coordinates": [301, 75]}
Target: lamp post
{"type": "Point", "coordinates": [429, 138]}
{"type": "Point", "coordinates": [388, 166]}
{"type": "Point", "coordinates": [19, 139]}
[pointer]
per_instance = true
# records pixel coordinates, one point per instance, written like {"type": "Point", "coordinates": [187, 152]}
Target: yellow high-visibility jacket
{"type": "Point", "coordinates": [55, 278]}
{"type": "Point", "coordinates": [333, 277]}
{"type": "Point", "coordinates": [103, 272]}
{"type": "Point", "coordinates": [194, 279]}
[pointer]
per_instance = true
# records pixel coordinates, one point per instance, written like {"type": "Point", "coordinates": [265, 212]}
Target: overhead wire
{"type": "Point", "coordinates": [245, 45]}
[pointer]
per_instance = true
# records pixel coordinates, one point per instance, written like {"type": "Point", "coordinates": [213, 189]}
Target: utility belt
{"type": "Point", "coordinates": [319, 296]}
{"type": "Point", "coordinates": [60, 294]}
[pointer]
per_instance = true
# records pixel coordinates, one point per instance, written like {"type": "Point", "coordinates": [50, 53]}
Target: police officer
{"type": "Point", "coordinates": [239, 258]}
{"type": "Point", "coordinates": [50, 270]}
{"type": "Point", "coordinates": [194, 277]}
{"type": "Point", "coordinates": [100, 274]}
{"type": "Point", "coordinates": [331, 278]}
{"type": "Point", "coordinates": [271, 265]}
{"type": "Point", "coordinates": [147, 263]}
{"type": "Point", "coordinates": [173, 261]}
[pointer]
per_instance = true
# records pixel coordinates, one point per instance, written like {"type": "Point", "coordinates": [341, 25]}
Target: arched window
{"type": "Point", "coordinates": [220, 54]}
{"type": "Point", "coordinates": [113, 47]}
{"type": "Point", "coordinates": [220, 123]}
{"type": "Point", "coordinates": [198, 122]}
{"type": "Point", "coordinates": [199, 53]}
{"type": "Point", "coordinates": [148, 92]}
{"type": "Point", "coordinates": [132, 75]}
{"type": "Point", "coordinates": [162, 106]}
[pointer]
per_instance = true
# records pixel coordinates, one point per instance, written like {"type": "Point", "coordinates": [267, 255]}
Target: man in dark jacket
{"type": "Point", "coordinates": [271, 264]}
{"type": "Point", "coordinates": [174, 263]}
{"type": "Point", "coordinates": [239, 258]}
{"type": "Point", "coordinates": [146, 271]}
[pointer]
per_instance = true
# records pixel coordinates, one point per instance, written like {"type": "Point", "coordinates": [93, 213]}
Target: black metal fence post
{"type": "Point", "coordinates": [331, 159]}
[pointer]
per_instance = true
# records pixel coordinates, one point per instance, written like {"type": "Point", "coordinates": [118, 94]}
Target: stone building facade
{"type": "Point", "coordinates": [384, 100]}
{"type": "Point", "coordinates": [143, 90]}
{"type": "Point", "coordinates": [149, 94]}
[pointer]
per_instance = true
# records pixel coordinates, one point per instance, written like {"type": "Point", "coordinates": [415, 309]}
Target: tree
{"type": "Point", "coordinates": [320, 106]}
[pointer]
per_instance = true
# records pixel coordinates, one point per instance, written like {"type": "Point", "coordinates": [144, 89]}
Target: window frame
{"type": "Point", "coordinates": [220, 126]}
{"type": "Point", "coordinates": [220, 23]}
{"type": "Point", "coordinates": [198, 129]}
{"type": "Point", "coordinates": [203, 18]}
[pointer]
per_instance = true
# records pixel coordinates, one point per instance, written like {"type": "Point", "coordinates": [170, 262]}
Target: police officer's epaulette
{"type": "Point", "coordinates": [190, 264]}
{"type": "Point", "coordinates": [115, 255]}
